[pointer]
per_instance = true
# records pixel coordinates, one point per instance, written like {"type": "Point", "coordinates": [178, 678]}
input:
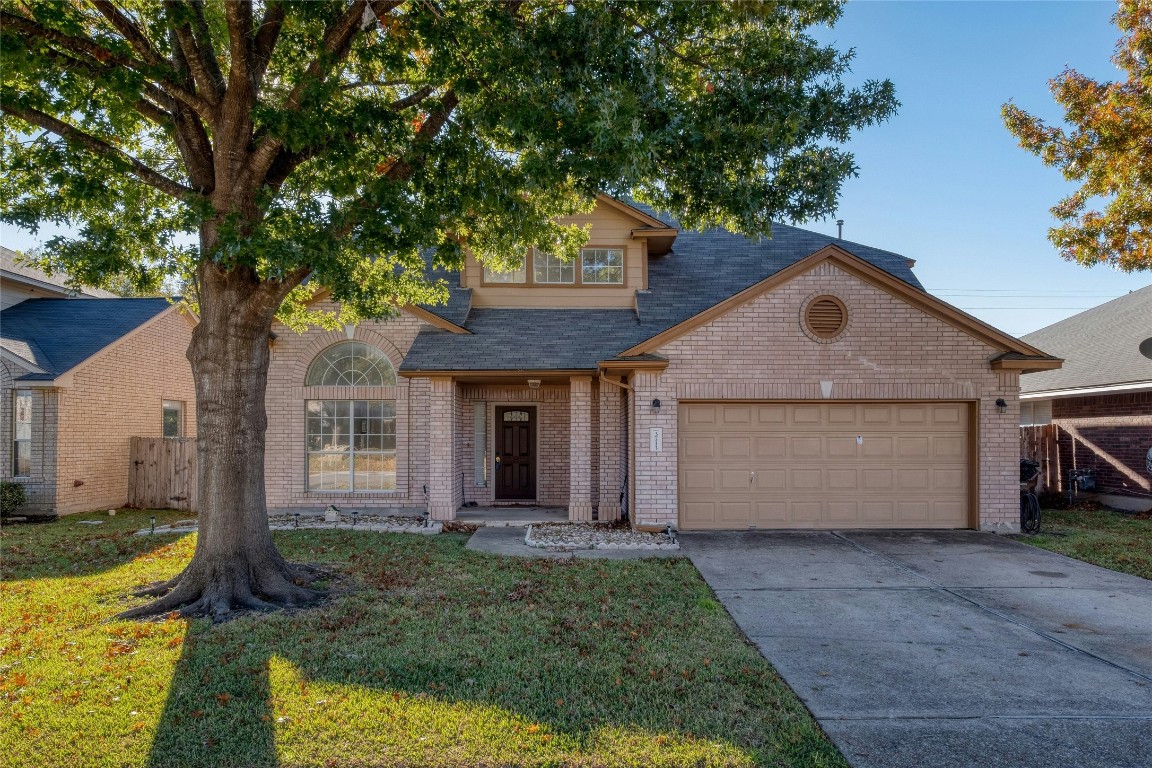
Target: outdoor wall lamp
{"type": "Point", "coordinates": [1001, 405]}
{"type": "Point", "coordinates": [656, 405]}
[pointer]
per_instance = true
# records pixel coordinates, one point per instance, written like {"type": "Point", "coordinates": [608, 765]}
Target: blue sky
{"type": "Point", "coordinates": [943, 182]}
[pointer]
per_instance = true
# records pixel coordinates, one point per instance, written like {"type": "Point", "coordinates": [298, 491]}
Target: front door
{"type": "Point", "coordinates": [515, 452]}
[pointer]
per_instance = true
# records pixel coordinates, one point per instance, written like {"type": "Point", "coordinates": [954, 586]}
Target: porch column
{"type": "Point", "coordinates": [608, 510]}
{"type": "Point", "coordinates": [654, 447]}
{"type": "Point", "coordinates": [441, 448]}
{"type": "Point", "coordinates": [580, 457]}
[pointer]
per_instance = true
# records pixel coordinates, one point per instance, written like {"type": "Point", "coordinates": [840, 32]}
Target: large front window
{"type": "Point", "coordinates": [21, 432]}
{"type": "Point", "coordinates": [351, 445]}
{"type": "Point", "coordinates": [351, 364]}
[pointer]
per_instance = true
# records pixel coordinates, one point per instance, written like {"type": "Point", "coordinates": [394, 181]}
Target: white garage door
{"type": "Point", "coordinates": [824, 465]}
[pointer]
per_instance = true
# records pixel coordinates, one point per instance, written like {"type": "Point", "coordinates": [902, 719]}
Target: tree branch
{"type": "Point", "coordinates": [194, 57]}
{"type": "Point", "coordinates": [266, 36]}
{"type": "Point", "coordinates": [132, 33]}
{"type": "Point", "coordinates": [97, 52]}
{"type": "Point", "coordinates": [100, 147]}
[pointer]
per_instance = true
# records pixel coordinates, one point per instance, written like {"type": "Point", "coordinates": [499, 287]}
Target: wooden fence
{"type": "Point", "coordinates": [162, 473]}
{"type": "Point", "coordinates": [1039, 444]}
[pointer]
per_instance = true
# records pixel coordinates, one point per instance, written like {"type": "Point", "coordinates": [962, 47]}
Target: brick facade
{"type": "Point", "coordinates": [82, 426]}
{"type": "Point", "coordinates": [889, 351]}
{"type": "Point", "coordinates": [1110, 434]}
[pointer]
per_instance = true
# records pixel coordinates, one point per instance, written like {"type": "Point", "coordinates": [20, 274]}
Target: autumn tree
{"type": "Point", "coordinates": [1106, 147]}
{"type": "Point", "coordinates": [261, 149]}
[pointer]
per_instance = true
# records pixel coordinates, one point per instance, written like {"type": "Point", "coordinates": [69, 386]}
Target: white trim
{"type": "Point", "coordinates": [1139, 386]}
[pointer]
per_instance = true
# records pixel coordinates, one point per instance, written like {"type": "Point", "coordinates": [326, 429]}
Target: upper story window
{"type": "Point", "coordinates": [351, 364]}
{"type": "Point", "coordinates": [552, 269]}
{"type": "Point", "coordinates": [515, 276]}
{"type": "Point", "coordinates": [594, 266]}
{"type": "Point", "coordinates": [602, 266]}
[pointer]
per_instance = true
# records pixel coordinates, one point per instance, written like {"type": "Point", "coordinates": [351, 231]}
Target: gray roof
{"type": "Point", "coordinates": [12, 268]}
{"type": "Point", "coordinates": [1100, 346]}
{"type": "Point", "coordinates": [56, 335]}
{"type": "Point", "coordinates": [703, 269]}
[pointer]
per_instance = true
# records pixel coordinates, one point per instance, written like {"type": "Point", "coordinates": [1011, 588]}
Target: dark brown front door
{"type": "Point", "coordinates": [515, 452]}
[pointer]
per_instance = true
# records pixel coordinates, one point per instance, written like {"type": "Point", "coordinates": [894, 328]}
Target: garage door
{"type": "Point", "coordinates": [823, 465]}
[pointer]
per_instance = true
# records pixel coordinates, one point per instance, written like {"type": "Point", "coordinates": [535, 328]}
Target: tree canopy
{"type": "Point", "coordinates": [257, 150]}
{"type": "Point", "coordinates": [1106, 147]}
{"type": "Point", "coordinates": [335, 139]}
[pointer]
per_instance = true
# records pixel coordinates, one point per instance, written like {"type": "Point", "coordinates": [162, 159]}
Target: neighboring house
{"type": "Point", "coordinates": [77, 380]}
{"type": "Point", "coordinates": [695, 379]}
{"type": "Point", "coordinates": [1101, 400]}
{"type": "Point", "coordinates": [19, 282]}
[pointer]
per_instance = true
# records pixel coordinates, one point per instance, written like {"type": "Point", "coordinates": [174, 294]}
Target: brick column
{"type": "Point", "coordinates": [441, 448]}
{"type": "Point", "coordinates": [654, 472]}
{"type": "Point", "coordinates": [580, 441]}
{"type": "Point", "coordinates": [608, 470]}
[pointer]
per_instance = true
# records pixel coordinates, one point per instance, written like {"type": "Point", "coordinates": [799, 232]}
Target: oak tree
{"type": "Point", "coordinates": [258, 150]}
{"type": "Point", "coordinates": [1106, 146]}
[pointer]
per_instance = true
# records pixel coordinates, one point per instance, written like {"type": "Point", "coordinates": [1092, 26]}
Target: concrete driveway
{"type": "Point", "coordinates": [953, 648]}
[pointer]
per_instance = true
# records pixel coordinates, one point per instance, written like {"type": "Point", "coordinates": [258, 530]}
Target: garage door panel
{"type": "Point", "coordinates": [735, 511]}
{"type": "Point", "coordinates": [846, 479]}
{"type": "Point", "coordinates": [878, 447]}
{"type": "Point", "coordinates": [699, 480]}
{"type": "Point", "coordinates": [824, 465]}
{"type": "Point", "coordinates": [735, 447]}
{"type": "Point", "coordinates": [769, 480]}
{"type": "Point", "coordinates": [699, 448]}
{"type": "Point", "coordinates": [840, 447]}
{"type": "Point", "coordinates": [733, 480]}
{"type": "Point", "coordinates": [805, 448]}
{"type": "Point", "coordinates": [809, 480]}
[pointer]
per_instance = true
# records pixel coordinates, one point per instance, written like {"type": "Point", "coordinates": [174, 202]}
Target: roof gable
{"type": "Point", "coordinates": [862, 269]}
{"type": "Point", "coordinates": [56, 335]}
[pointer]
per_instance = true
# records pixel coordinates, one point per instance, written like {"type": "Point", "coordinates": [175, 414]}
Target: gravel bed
{"type": "Point", "coordinates": [372, 522]}
{"type": "Point", "coordinates": [569, 536]}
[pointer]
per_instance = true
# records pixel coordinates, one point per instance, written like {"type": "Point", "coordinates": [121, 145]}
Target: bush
{"type": "Point", "coordinates": [11, 497]}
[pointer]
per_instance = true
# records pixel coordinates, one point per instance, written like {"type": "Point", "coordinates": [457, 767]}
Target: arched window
{"type": "Point", "coordinates": [351, 364]}
{"type": "Point", "coordinates": [351, 443]}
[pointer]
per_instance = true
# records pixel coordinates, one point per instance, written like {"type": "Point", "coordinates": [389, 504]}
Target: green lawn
{"type": "Point", "coordinates": [432, 655]}
{"type": "Point", "coordinates": [1122, 542]}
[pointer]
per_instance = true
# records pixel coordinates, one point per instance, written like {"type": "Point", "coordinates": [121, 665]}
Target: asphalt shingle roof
{"type": "Point", "coordinates": [59, 334]}
{"type": "Point", "coordinates": [11, 266]}
{"type": "Point", "coordinates": [703, 269]}
{"type": "Point", "coordinates": [1100, 346]}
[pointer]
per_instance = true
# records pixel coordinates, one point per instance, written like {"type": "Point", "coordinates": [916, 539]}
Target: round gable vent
{"type": "Point", "coordinates": [826, 317]}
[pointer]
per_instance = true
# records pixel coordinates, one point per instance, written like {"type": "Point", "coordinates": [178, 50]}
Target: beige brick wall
{"type": "Point", "coordinates": [114, 396]}
{"type": "Point", "coordinates": [890, 350]}
{"type": "Point", "coordinates": [286, 471]}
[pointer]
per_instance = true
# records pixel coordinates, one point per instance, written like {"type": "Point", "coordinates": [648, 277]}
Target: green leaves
{"type": "Point", "coordinates": [1106, 146]}
{"type": "Point", "coordinates": [349, 142]}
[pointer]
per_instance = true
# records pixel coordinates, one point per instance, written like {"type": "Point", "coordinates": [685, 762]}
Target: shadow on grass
{"type": "Point", "coordinates": [441, 656]}
{"type": "Point", "coordinates": [53, 550]}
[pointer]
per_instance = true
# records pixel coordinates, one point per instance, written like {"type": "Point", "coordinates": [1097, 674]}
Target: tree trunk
{"type": "Point", "coordinates": [236, 565]}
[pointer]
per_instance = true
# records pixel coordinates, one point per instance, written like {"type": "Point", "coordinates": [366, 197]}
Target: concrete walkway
{"type": "Point", "coordinates": [952, 648]}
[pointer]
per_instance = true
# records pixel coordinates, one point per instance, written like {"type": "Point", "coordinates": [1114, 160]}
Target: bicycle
{"type": "Point", "coordinates": [1029, 505]}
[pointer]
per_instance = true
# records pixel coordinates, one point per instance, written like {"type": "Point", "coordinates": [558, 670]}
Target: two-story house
{"type": "Point", "coordinates": [693, 378]}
